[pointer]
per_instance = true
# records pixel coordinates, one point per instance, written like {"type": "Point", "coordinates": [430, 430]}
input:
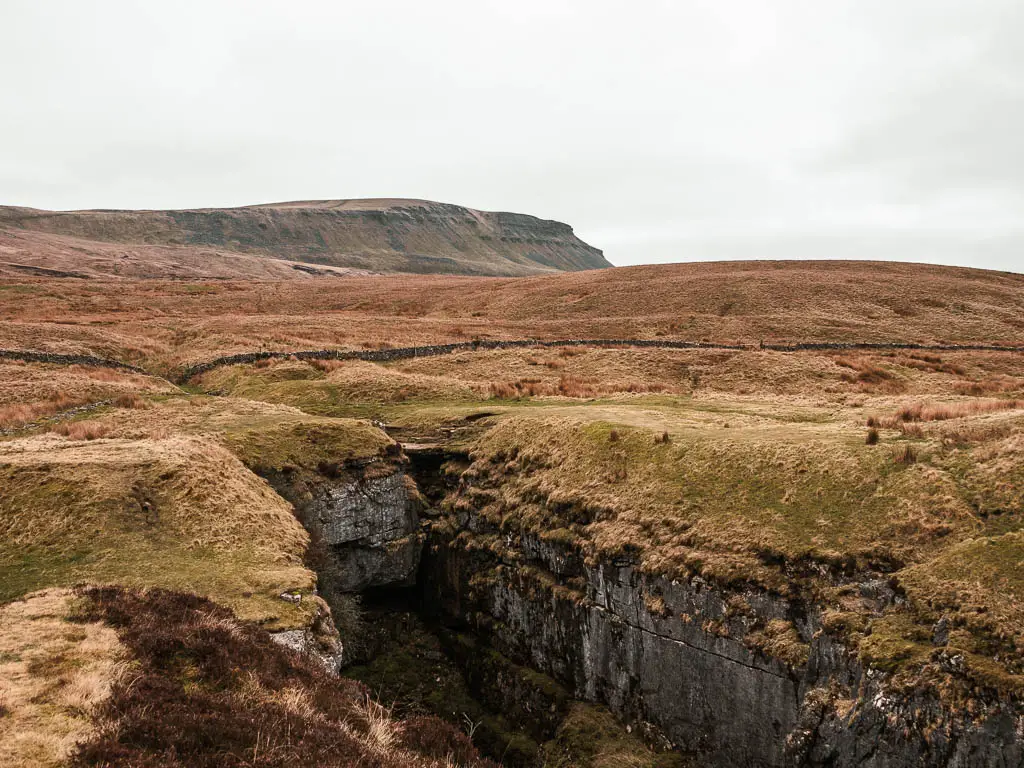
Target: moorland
{"type": "Point", "coordinates": [847, 520]}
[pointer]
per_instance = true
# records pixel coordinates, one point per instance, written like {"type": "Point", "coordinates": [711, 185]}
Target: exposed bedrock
{"type": "Point", "coordinates": [364, 520]}
{"type": "Point", "coordinates": [681, 659]}
{"type": "Point", "coordinates": [320, 640]}
{"type": "Point", "coordinates": [371, 525]}
{"type": "Point", "coordinates": [740, 676]}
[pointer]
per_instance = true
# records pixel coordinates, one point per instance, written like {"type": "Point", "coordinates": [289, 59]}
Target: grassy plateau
{"type": "Point", "coordinates": [798, 473]}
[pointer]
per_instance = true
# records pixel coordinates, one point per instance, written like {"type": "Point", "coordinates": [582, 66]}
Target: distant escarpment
{"type": "Point", "coordinates": [302, 238]}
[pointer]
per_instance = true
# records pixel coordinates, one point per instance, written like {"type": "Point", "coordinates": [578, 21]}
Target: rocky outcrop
{"type": "Point", "coordinates": [370, 525]}
{"type": "Point", "coordinates": [738, 675]}
{"type": "Point", "coordinates": [320, 640]}
{"type": "Point", "coordinates": [746, 678]}
{"type": "Point", "coordinates": [365, 533]}
{"type": "Point", "coordinates": [364, 521]}
{"type": "Point", "coordinates": [385, 235]}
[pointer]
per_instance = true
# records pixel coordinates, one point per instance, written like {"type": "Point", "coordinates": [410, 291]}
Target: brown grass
{"type": "Point", "coordinates": [789, 481]}
{"type": "Point", "coordinates": [929, 363]}
{"type": "Point", "coordinates": [327, 365]}
{"type": "Point", "coordinates": [81, 430]}
{"type": "Point", "coordinates": [54, 674]}
{"type": "Point", "coordinates": [209, 691]}
{"type": "Point", "coordinates": [590, 373]}
{"type": "Point", "coordinates": [130, 400]}
{"type": "Point", "coordinates": [905, 454]}
{"type": "Point", "coordinates": [868, 375]}
{"type": "Point", "coordinates": [923, 412]}
{"type": "Point", "coordinates": [995, 385]}
{"type": "Point", "coordinates": [968, 434]}
{"type": "Point", "coordinates": [568, 385]}
{"type": "Point", "coordinates": [913, 431]}
{"type": "Point", "coordinates": [209, 525]}
{"type": "Point", "coordinates": [168, 322]}
{"type": "Point", "coordinates": [31, 392]}
{"type": "Point", "coordinates": [25, 413]}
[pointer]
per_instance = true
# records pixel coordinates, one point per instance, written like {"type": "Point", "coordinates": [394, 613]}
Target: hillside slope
{"type": "Point", "coordinates": [730, 300]}
{"type": "Point", "coordinates": [168, 323]}
{"type": "Point", "coordinates": [826, 544]}
{"type": "Point", "coordinates": [380, 235]}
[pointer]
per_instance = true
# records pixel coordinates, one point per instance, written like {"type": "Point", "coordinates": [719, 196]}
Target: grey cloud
{"type": "Point", "coordinates": [963, 125]}
{"type": "Point", "coordinates": [659, 130]}
{"type": "Point", "coordinates": [1001, 252]}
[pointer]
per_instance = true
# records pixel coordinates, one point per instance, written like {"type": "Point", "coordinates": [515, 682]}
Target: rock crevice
{"type": "Point", "coordinates": [679, 659]}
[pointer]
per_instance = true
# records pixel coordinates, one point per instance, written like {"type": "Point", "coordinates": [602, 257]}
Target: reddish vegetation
{"type": "Point", "coordinates": [995, 385]}
{"type": "Point", "coordinates": [920, 412]}
{"type": "Point", "coordinates": [943, 411]}
{"type": "Point", "coordinates": [81, 430]}
{"type": "Point", "coordinates": [868, 375]}
{"type": "Point", "coordinates": [211, 692]}
{"type": "Point", "coordinates": [167, 323]}
{"type": "Point", "coordinates": [929, 363]}
{"type": "Point", "coordinates": [130, 400]}
{"type": "Point", "coordinates": [23, 413]}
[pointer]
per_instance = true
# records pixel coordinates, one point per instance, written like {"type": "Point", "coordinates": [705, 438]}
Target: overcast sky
{"type": "Point", "coordinates": [670, 130]}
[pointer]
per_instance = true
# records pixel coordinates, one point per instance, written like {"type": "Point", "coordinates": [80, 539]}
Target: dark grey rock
{"type": "Point", "coordinates": [682, 669]}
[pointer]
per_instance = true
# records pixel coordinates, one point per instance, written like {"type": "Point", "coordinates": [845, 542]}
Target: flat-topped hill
{"type": "Point", "coordinates": [304, 238]}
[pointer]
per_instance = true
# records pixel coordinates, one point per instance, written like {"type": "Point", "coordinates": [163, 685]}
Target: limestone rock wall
{"type": "Point", "coordinates": [676, 658]}
{"type": "Point", "coordinates": [371, 526]}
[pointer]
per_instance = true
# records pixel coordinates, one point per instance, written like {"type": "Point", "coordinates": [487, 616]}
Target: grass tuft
{"type": "Point", "coordinates": [131, 400]}
{"type": "Point", "coordinates": [905, 454]}
{"type": "Point", "coordinates": [81, 430]}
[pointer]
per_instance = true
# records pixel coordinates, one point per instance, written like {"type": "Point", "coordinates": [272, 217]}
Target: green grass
{"type": "Point", "coordinates": [744, 488]}
{"type": "Point", "coordinates": [181, 514]}
{"type": "Point", "coordinates": [242, 581]}
{"type": "Point", "coordinates": [590, 737]}
{"type": "Point", "coordinates": [896, 641]}
{"type": "Point", "coordinates": [307, 443]}
{"type": "Point", "coordinates": [711, 500]}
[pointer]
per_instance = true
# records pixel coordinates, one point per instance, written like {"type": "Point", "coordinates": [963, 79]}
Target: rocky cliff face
{"type": "Point", "coordinates": [739, 676]}
{"type": "Point", "coordinates": [745, 678]}
{"type": "Point", "coordinates": [364, 521]}
{"type": "Point", "coordinates": [377, 235]}
{"type": "Point", "coordinates": [320, 640]}
{"type": "Point", "coordinates": [371, 527]}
